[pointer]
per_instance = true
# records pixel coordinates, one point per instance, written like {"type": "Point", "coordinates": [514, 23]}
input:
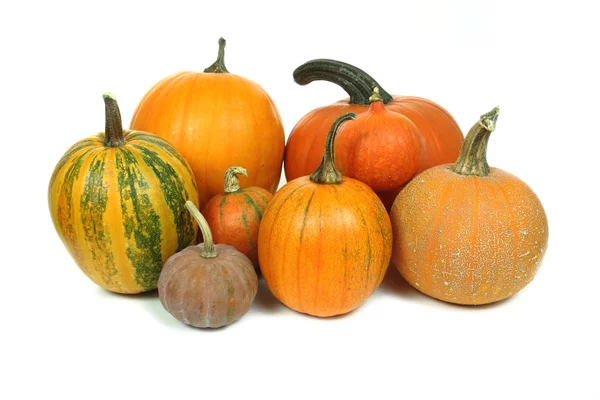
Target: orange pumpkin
{"type": "Point", "coordinates": [234, 216]}
{"type": "Point", "coordinates": [467, 233]}
{"type": "Point", "coordinates": [380, 148]}
{"type": "Point", "coordinates": [216, 119]}
{"type": "Point", "coordinates": [440, 135]}
{"type": "Point", "coordinates": [324, 243]}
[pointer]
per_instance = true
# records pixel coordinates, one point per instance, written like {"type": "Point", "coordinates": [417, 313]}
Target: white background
{"type": "Point", "coordinates": [63, 337]}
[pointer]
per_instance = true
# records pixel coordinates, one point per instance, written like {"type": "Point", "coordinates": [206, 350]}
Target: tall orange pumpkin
{"type": "Point", "coordinates": [440, 135]}
{"type": "Point", "coordinates": [324, 242]}
{"type": "Point", "coordinates": [216, 119]}
{"type": "Point", "coordinates": [467, 233]}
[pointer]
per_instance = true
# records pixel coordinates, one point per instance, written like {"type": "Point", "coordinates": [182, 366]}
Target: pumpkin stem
{"type": "Point", "coordinates": [219, 65]}
{"type": "Point", "coordinates": [472, 159]}
{"type": "Point", "coordinates": [327, 173]}
{"type": "Point", "coordinates": [113, 129]}
{"type": "Point", "coordinates": [375, 96]}
{"type": "Point", "coordinates": [232, 183]}
{"type": "Point", "coordinates": [209, 246]}
{"type": "Point", "coordinates": [356, 82]}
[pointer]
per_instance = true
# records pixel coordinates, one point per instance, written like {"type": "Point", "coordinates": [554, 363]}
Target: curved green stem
{"type": "Point", "coordinates": [209, 246]}
{"type": "Point", "coordinates": [219, 65]}
{"type": "Point", "coordinates": [356, 82]}
{"type": "Point", "coordinates": [472, 159]}
{"type": "Point", "coordinates": [113, 129]}
{"type": "Point", "coordinates": [327, 173]}
{"type": "Point", "coordinates": [232, 183]}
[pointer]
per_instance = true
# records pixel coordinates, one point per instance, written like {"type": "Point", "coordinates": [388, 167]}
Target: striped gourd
{"type": "Point", "coordinates": [117, 201]}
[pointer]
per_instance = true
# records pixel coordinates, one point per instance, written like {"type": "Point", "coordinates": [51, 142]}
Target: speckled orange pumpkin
{"type": "Point", "coordinates": [467, 233]}
{"type": "Point", "coordinates": [234, 216]}
{"type": "Point", "coordinates": [325, 241]}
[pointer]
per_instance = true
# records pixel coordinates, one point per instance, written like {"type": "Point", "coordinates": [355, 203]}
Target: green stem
{"type": "Point", "coordinates": [113, 130]}
{"type": "Point", "coordinates": [232, 183]}
{"type": "Point", "coordinates": [356, 82]}
{"type": "Point", "coordinates": [327, 173]}
{"type": "Point", "coordinates": [209, 246]}
{"type": "Point", "coordinates": [472, 159]}
{"type": "Point", "coordinates": [218, 66]}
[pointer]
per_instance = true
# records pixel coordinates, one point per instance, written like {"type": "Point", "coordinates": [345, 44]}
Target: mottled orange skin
{"type": "Point", "coordinates": [441, 137]}
{"type": "Point", "coordinates": [468, 239]}
{"type": "Point", "coordinates": [234, 219]}
{"type": "Point", "coordinates": [380, 148]}
{"type": "Point", "coordinates": [216, 120]}
{"type": "Point", "coordinates": [324, 248]}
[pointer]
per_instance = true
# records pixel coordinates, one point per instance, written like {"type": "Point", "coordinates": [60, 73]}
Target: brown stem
{"type": "Point", "coordinates": [232, 183]}
{"type": "Point", "coordinates": [219, 65]}
{"type": "Point", "coordinates": [472, 159]}
{"type": "Point", "coordinates": [327, 173]}
{"type": "Point", "coordinates": [209, 246]}
{"type": "Point", "coordinates": [113, 130]}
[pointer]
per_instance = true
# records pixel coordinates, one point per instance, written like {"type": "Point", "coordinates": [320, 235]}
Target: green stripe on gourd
{"type": "Point", "coordinates": [174, 193]}
{"type": "Point", "coordinates": [92, 205]}
{"type": "Point", "coordinates": [143, 223]}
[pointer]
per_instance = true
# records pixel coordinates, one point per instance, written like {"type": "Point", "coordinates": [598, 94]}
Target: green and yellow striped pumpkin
{"type": "Point", "coordinates": [117, 201]}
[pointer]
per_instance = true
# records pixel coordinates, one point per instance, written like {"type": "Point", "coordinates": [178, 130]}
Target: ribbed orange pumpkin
{"type": "Point", "coordinates": [216, 119]}
{"type": "Point", "coordinates": [439, 133]}
{"type": "Point", "coordinates": [380, 148]}
{"type": "Point", "coordinates": [325, 241]}
{"type": "Point", "coordinates": [467, 233]}
{"type": "Point", "coordinates": [234, 216]}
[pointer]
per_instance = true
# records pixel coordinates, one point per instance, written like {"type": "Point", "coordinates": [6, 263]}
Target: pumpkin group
{"type": "Point", "coordinates": [439, 134]}
{"type": "Point", "coordinates": [467, 233]}
{"type": "Point", "coordinates": [208, 285]}
{"type": "Point", "coordinates": [325, 240]}
{"type": "Point", "coordinates": [216, 119]}
{"type": "Point", "coordinates": [117, 202]}
{"type": "Point", "coordinates": [234, 216]}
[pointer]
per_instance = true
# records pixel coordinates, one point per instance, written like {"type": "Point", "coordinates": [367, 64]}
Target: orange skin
{"type": "Point", "coordinates": [216, 120]}
{"type": "Point", "coordinates": [468, 239]}
{"type": "Point", "coordinates": [234, 219]}
{"type": "Point", "coordinates": [441, 138]}
{"type": "Point", "coordinates": [380, 148]}
{"type": "Point", "coordinates": [324, 248]}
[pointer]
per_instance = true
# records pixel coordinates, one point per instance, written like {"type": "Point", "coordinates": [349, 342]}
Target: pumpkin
{"type": "Point", "coordinates": [380, 148]}
{"type": "Point", "coordinates": [216, 119]}
{"type": "Point", "coordinates": [439, 133]}
{"type": "Point", "coordinates": [324, 242]}
{"type": "Point", "coordinates": [208, 285]}
{"type": "Point", "coordinates": [467, 233]}
{"type": "Point", "coordinates": [234, 216]}
{"type": "Point", "coordinates": [117, 202]}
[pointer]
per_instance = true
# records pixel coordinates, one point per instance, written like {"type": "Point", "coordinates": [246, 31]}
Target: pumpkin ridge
{"type": "Point", "coordinates": [299, 286]}
{"type": "Point", "coordinates": [93, 202]}
{"type": "Point", "coordinates": [513, 228]}
{"type": "Point", "coordinates": [474, 233]}
{"type": "Point", "coordinates": [251, 202]}
{"type": "Point", "coordinates": [143, 225]}
{"type": "Point", "coordinates": [173, 191]}
{"type": "Point", "coordinates": [369, 250]}
{"type": "Point", "coordinates": [245, 222]}
{"type": "Point", "coordinates": [443, 199]}
{"type": "Point", "coordinates": [164, 146]}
